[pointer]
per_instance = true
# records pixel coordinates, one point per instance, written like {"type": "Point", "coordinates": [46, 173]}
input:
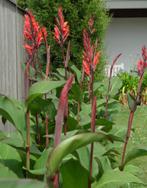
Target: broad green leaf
{"type": "Point", "coordinates": [134, 153]}
{"type": "Point", "coordinates": [23, 183]}
{"type": "Point", "coordinates": [74, 175]}
{"type": "Point", "coordinates": [76, 92]}
{"type": "Point", "coordinates": [10, 158]}
{"type": "Point", "coordinates": [14, 112]}
{"type": "Point", "coordinates": [5, 172]}
{"type": "Point", "coordinates": [40, 165]}
{"type": "Point", "coordinates": [106, 125]}
{"type": "Point", "coordinates": [77, 71]}
{"type": "Point", "coordinates": [42, 87]}
{"type": "Point", "coordinates": [71, 123]}
{"type": "Point", "coordinates": [132, 103]}
{"type": "Point", "coordinates": [116, 177]}
{"type": "Point", "coordinates": [85, 112]}
{"type": "Point", "coordinates": [115, 85]}
{"type": "Point", "coordinates": [13, 138]}
{"type": "Point", "coordinates": [70, 145]}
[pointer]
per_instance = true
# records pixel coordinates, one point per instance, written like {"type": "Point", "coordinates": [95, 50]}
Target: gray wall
{"type": "Point", "coordinates": [124, 4]}
{"type": "Point", "coordinates": [126, 36]}
{"type": "Point", "coordinates": [11, 50]}
{"type": "Point", "coordinates": [11, 53]}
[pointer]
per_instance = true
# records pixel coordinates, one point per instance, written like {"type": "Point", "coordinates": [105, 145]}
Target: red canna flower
{"type": "Point", "coordinates": [90, 57]}
{"type": "Point", "coordinates": [29, 49]}
{"type": "Point", "coordinates": [33, 33]}
{"type": "Point", "coordinates": [141, 65]}
{"type": "Point", "coordinates": [144, 53]}
{"type": "Point", "coordinates": [44, 33]}
{"type": "Point", "coordinates": [61, 29]}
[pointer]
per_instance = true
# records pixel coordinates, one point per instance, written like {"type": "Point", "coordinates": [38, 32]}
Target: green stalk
{"type": "Point", "coordinates": [130, 121]}
{"type": "Point", "coordinates": [28, 140]}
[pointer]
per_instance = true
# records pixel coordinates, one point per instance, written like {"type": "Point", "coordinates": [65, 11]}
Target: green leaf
{"type": "Point", "coordinates": [14, 112]}
{"type": "Point", "coordinates": [77, 71]}
{"type": "Point", "coordinates": [116, 177]}
{"type": "Point", "coordinates": [116, 84]}
{"type": "Point", "coordinates": [76, 92]}
{"type": "Point", "coordinates": [13, 139]}
{"type": "Point", "coordinates": [23, 183]}
{"type": "Point", "coordinates": [10, 158]}
{"type": "Point", "coordinates": [40, 165]}
{"type": "Point", "coordinates": [107, 125]}
{"type": "Point", "coordinates": [70, 145]}
{"type": "Point", "coordinates": [132, 103]}
{"type": "Point", "coordinates": [73, 173]}
{"type": "Point", "coordinates": [42, 87]}
{"type": "Point", "coordinates": [5, 172]}
{"type": "Point", "coordinates": [134, 153]}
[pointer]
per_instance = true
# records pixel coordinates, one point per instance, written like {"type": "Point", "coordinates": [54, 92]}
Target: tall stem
{"type": "Point", "coordinates": [37, 129]}
{"type": "Point", "coordinates": [28, 140]}
{"type": "Point", "coordinates": [109, 85]}
{"type": "Point", "coordinates": [46, 128]}
{"type": "Point", "coordinates": [131, 116]}
{"type": "Point", "coordinates": [46, 131]}
{"type": "Point", "coordinates": [93, 118]}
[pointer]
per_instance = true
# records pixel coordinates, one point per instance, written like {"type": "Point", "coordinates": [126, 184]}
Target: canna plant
{"type": "Point", "coordinates": [134, 101]}
{"type": "Point", "coordinates": [48, 156]}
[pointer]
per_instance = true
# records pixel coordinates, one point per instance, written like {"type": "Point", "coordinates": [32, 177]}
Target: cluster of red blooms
{"type": "Point", "coordinates": [142, 63]}
{"type": "Point", "coordinates": [33, 34]}
{"type": "Point", "coordinates": [61, 29]}
{"type": "Point", "coordinates": [90, 56]}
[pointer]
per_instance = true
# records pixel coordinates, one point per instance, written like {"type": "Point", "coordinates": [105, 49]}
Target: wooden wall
{"type": "Point", "coordinates": [11, 50]}
{"type": "Point", "coordinates": [11, 53]}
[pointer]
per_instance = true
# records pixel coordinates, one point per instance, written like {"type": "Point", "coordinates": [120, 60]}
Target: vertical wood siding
{"type": "Point", "coordinates": [11, 51]}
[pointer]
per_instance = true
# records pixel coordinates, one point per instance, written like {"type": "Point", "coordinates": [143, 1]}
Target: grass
{"type": "Point", "coordinates": [138, 136]}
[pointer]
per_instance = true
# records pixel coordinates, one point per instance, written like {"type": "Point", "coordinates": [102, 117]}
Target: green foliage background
{"type": "Point", "coordinates": [77, 13]}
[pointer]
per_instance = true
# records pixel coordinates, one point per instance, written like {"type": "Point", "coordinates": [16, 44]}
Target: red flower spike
{"type": "Point", "coordinates": [89, 59]}
{"type": "Point", "coordinates": [86, 68]}
{"type": "Point", "coordinates": [44, 34]}
{"type": "Point", "coordinates": [140, 66]}
{"type": "Point", "coordinates": [96, 59]}
{"type": "Point", "coordinates": [32, 33]}
{"type": "Point", "coordinates": [63, 101]}
{"type": "Point", "coordinates": [61, 29]}
{"type": "Point", "coordinates": [29, 49]}
{"type": "Point", "coordinates": [57, 34]}
{"type": "Point", "coordinates": [144, 53]}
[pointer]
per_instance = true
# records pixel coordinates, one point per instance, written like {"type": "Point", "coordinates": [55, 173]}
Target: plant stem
{"type": "Point", "coordinates": [28, 140]}
{"type": "Point", "coordinates": [131, 116]}
{"type": "Point", "coordinates": [46, 128]}
{"type": "Point", "coordinates": [93, 118]}
{"type": "Point", "coordinates": [37, 129]}
{"type": "Point", "coordinates": [46, 131]}
{"type": "Point", "coordinates": [109, 85]}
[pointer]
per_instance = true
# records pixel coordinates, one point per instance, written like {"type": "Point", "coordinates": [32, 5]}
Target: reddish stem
{"type": "Point", "coordinates": [37, 130]}
{"type": "Point", "coordinates": [46, 128]}
{"type": "Point", "coordinates": [28, 140]}
{"type": "Point", "coordinates": [131, 116]}
{"type": "Point", "coordinates": [93, 119]}
{"type": "Point", "coordinates": [109, 85]}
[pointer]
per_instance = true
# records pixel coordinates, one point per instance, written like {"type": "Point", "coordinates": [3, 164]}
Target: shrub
{"type": "Point", "coordinates": [77, 13]}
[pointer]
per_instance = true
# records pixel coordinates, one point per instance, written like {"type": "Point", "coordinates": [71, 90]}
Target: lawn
{"type": "Point", "coordinates": [138, 136]}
